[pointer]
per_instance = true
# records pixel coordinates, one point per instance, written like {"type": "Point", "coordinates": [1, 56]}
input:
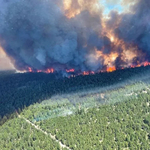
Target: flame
{"type": "Point", "coordinates": [112, 39]}
{"type": "Point", "coordinates": [126, 52]}
{"type": "Point", "coordinates": [108, 69]}
{"type": "Point", "coordinates": [119, 48]}
{"type": "Point", "coordinates": [108, 59]}
{"type": "Point", "coordinates": [70, 70]}
{"type": "Point", "coordinates": [30, 69]}
{"type": "Point", "coordinates": [50, 70]}
{"type": "Point", "coordinates": [111, 69]}
{"type": "Point", "coordinates": [85, 73]}
{"type": "Point", "coordinates": [146, 64]}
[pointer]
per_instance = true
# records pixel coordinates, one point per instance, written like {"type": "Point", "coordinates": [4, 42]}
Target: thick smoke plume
{"type": "Point", "coordinates": [66, 34]}
{"type": "Point", "coordinates": [135, 26]}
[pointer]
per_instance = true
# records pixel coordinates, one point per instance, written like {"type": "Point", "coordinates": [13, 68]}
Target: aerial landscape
{"type": "Point", "coordinates": [74, 75]}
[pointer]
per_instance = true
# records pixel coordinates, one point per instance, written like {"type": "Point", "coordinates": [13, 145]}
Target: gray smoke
{"type": "Point", "coordinates": [37, 34]}
{"type": "Point", "coordinates": [135, 26]}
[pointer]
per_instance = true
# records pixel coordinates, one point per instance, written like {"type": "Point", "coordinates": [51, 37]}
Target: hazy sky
{"type": "Point", "coordinates": [118, 5]}
{"type": "Point", "coordinates": [5, 63]}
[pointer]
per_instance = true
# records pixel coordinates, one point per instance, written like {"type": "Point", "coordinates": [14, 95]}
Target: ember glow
{"type": "Point", "coordinates": [75, 36]}
{"type": "Point", "coordinates": [105, 69]}
{"type": "Point", "coordinates": [70, 70]}
{"type": "Point", "coordinates": [111, 69]}
{"type": "Point", "coordinates": [51, 70]}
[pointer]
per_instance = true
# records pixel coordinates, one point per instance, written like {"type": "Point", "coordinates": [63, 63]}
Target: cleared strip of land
{"type": "Point", "coordinates": [38, 128]}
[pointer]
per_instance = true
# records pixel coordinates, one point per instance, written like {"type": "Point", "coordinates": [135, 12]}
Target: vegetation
{"type": "Point", "coordinates": [80, 113]}
{"type": "Point", "coordinates": [18, 134]}
{"type": "Point", "coordinates": [18, 91]}
{"type": "Point", "coordinates": [112, 126]}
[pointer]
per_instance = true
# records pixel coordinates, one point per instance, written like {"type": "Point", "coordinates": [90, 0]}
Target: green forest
{"type": "Point", "coordinates": [102, 111]}
{"type": "Point", "coordinates": [18, 90]}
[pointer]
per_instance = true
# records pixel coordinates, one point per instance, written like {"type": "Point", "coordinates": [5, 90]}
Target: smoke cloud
{"type": "Point", "coordinates": [135, 26]}
{"type": "Point", "coordinates": [65, 34]}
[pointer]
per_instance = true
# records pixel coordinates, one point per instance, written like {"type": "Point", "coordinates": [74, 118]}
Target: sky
{"type": "Point", "coordinates": [5, 63]}
{"type": "Point", "coordinates": [111, 5]}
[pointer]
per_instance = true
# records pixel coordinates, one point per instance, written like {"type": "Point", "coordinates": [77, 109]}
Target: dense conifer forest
{"type": "Point", "coordinates": [101, 111]}
{"type": "Point", "coordinates": [21, 90]}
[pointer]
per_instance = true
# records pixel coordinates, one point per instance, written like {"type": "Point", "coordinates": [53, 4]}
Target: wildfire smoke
{"type": "Point", "coordinates": [75, 35]}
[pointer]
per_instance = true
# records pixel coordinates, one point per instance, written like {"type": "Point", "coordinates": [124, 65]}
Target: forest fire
{"type": "Point", "coordinates": [122, 54]}
{"type": "Point", "coordinates": [51, 70]}
{"type": "Point", "coordinates": [30, 69]}
{"type": "Point", "coordinates": [107, 69]}
{"type": "Point", "coordinates": [111, 69]}
{"type": "Point", "coordinates": [70, 70]}
{"type": "Point", "coordinates": [76, 36]}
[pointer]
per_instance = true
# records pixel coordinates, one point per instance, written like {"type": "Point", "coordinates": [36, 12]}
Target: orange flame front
{"type": "Point", "coordinates": [70, 70]}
